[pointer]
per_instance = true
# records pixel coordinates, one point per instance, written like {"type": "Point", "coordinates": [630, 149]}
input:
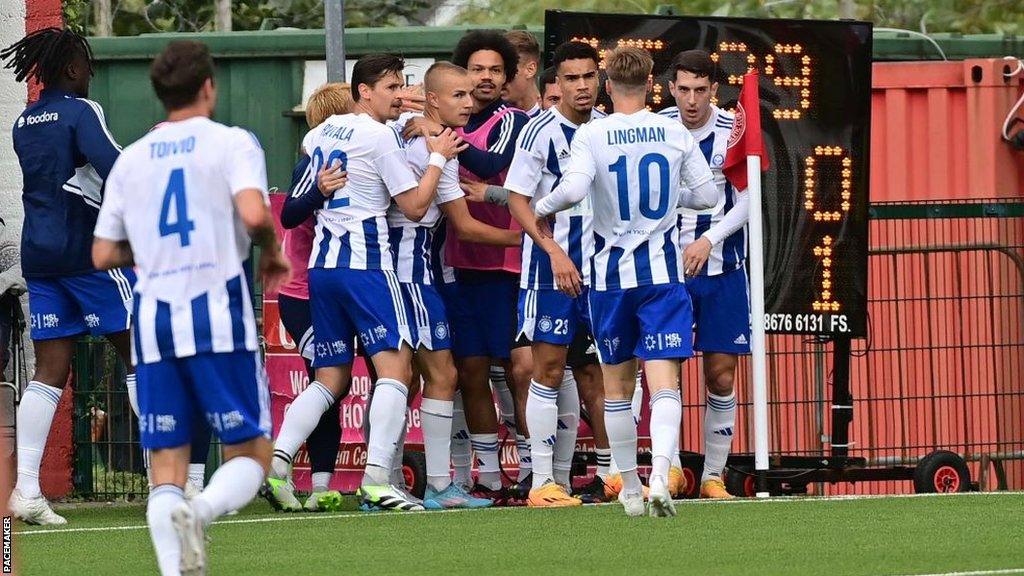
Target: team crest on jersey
{"type": "Point", "coordinates": [717, 160]}
{"type": "Point", "coordinates": [441, 331]}
{"type": "Point", "coordinates": [738, 126]}
{"type": "Point", "coordinates": [545, 324]}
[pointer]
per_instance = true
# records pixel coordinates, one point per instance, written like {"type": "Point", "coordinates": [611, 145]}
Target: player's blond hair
{"type": "Point", "coordinates": [629, 67]}
{"type": "Point", "coordinates": [328, 100]}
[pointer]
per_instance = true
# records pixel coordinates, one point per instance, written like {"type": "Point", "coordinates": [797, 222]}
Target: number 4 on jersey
{"type": "Point", "coordinates": [175, 193]}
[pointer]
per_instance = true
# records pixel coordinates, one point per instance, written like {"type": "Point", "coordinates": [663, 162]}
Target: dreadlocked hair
{"type": "Point", "coordinates": [44, 54]}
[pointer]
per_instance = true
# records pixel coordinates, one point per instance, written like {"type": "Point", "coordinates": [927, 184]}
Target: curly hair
{"type": "Point", "coordinates": [477, 40]}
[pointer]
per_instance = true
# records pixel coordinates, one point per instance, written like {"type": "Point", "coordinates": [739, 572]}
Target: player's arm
{"type": "Point", "coordinates": [247, 178]}
{"type": "Point", "coordinates": [110, 248]}
{"type": "Point", "coordinates": [699, 191]}
{"type": "Point", "coordinates": [523, 178]}
{"type": "Point", "coordinates": [500, 147]}
{"type": "Point", "coordinates": [414, 201]}
{"type": "Point", "coordinates": [94, 141]}
{"type": "Point", "coordinates": [697, 253]}
{"type": "Point", "coordinates": [469, 229]}
{"type": "Point", "coordinates": [308, 191]}
{"type": "Point", "coordinates": [575, 184]}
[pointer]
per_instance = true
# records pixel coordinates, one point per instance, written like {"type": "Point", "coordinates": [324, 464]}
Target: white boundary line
{"type": "Point", "coordinates": [702, 502]}
{"type": "Point", "coordinates": [975, 573]}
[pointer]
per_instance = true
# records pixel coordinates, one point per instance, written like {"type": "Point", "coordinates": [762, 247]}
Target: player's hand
{"type": "Point", "coordinates": [696, 255]}
{"type": "Point", "coordinates": [567, 277]}
{"type": "Point", "coordinates": [544, 227]}
{"type": "Point", "coordinates": [447, 143]}
{"type": "Point", "coordinates": [412, 98]}
{"type": "Point", "coordinates": [420, 126]}
{"type": "Point", "coordinates": [475, 191]}
{"type": "Point", "coordinates": [331, 179]}
{"type": "Point", "coordinates": [274, 269]}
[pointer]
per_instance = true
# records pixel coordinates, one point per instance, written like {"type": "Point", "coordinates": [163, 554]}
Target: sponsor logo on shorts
{"type": "Point", "coordinates": [611, 344]}
{"type": "Point", "coordinates": [741, 339]}
{"type": "Point", "coordinates": [45, 321]}
{"type": "Point", "coordinates": [92, 320]}
{"type": "Point", "coordinates": [663, 341]}
{"type": "Point", "coordinates": [545, 324]}
{"type": "Point", "coordinates": [441, 331]}
{"type": "Point", "coordinates": [231, 420]}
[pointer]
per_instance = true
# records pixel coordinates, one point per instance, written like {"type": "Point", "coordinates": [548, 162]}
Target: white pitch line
{"type": "Point", "coordinates": [701, 502]}
{"type": "Point", "coordinates": [975, 573]}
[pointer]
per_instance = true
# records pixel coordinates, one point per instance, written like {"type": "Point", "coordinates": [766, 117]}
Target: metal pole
{"type": "Point", "coordinates": [334, 28]}
{"type": "Point", "coordinates": [759, 356]}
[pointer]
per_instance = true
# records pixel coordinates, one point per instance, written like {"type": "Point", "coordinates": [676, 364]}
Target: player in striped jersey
{"type": "Point", "coordinates": [637, 164]}
{"type": "Point", "coordinates": [65, 153]}
{"type": "Point", "coordinates": [181, 204]}
{"type": "Point", "coordinates": [353, 285]}
{"type": "Point", "coordinates": [449, 104]}
{"type": "Point", "coordinates": [552, 298]}
{"type": "Point", "coordinates": [713, 243]}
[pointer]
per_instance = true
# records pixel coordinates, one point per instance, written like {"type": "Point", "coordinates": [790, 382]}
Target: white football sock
{"type": "Point", "coordinates": [197, 475]}
{"type": "Point", "coordinates": [506, 405]}
{"type": "Point", "coordinates": [436, 424]}
{"type": "Point", "coordinates": [604, 462]}
{"type": "Point", "coordinates": [131, 383]}
{"type": "Point", "coordinates": [525, 457]}
{"type": "Point", "coordinates": [542, 420]}
{"type": "Point", "coordinates": [618, 420]}
{"type": "Point", "coordinates": [485, 446]}
{"type": "Point", "coordinates": [397, 460]}
{"type": "Point", "coordinates": [162, 500]}
{"type": "Point", "coordinates": [666, 414]}
{"type": "Point", "coordinates": [233, 485]}
{"type": "Point", "coordinates": [322, 481]}
{"type": "Point", "coordinates": [568, 427]}
{"type": "Point", "coordinates": [35, 414]}
{"type": "Point", "coordinates": [387, 419]}
{"type": "Point", "coordinates": [462, 460]}
{"type": "Point", "coordinates": [719, 427]}
{"type": "Point", "coordinates": [299, 421]}
{"type": "Point", "coordinates": [637, 403]}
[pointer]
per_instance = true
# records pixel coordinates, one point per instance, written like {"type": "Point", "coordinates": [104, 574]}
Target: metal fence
{"type": "Point", "coordinates": [942, 369]}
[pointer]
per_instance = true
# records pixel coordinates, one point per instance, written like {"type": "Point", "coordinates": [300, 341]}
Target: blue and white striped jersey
{"type": "Point", "coordinates": [171, 196]}
{"type": "Point", "coordinates": [635, 166]}
{"type": "Point", "coordinates": [712, 139]}
{"type": "Point", "coordinates": [351, 228]}
{"type": "Point", "coordinates": [542, 155]}
{"type": "Point", "coordinates": [410, 241]}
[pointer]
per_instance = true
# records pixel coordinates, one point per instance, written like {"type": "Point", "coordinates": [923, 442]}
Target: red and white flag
{"type": "Point", "coordinates": [746, 138]}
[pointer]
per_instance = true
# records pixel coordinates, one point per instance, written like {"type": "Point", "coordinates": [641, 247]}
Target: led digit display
{"type": "Point", "coordinates": [815, 92]}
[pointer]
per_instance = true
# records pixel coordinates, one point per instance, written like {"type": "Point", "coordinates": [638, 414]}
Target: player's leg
{"type": "Point", "coordinates": [723, 333]}
{"type": "Point", "coordinates": [482, 423]}
{"type": "Point", "coordinates": [568, 429]}
{"type": "Point", "coordinates": [462, 456]}
{"type": "Point", "coordinates": [546, 320]}
{"type": "Point", "coordinates": [323, 444]}
{"type": "Point", "coordinates": [331, 353]}
{"type": "Point", "coordinates": [591, 390]}
{"type": "Point", "coordinates": [398, 458]}
{"type": "Point", "coordinates": [231, 390]}
{"type": "Point", "coordinates": [55, 322]}
{"type": "Point", "coordinates": [507, 418]}
{"type": "Point", "coordinates": [719, 421]}
{"type": "Point", "coordinates": [381, 316]}
{"type": "Point", "coordinates": [164, 394]}
{"type": "Point", "coordinates": [666, 323]}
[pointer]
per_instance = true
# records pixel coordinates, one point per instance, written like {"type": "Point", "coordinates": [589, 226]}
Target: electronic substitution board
{"type": "Point", "coordinates": [815, 91]}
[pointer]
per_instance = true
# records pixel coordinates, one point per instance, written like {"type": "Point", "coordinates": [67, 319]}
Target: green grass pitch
{"type": "Point", "coordinates": [972, 534]}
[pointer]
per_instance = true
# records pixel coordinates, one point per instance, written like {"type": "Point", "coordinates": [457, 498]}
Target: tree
{"type": "Point", "coordinates": [964, 16]}
{"type": "Point", "coordinates": [134, 17]}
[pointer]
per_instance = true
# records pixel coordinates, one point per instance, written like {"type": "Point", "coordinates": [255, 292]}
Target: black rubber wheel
{"type": "Point", "coordinates": [740, 482]}
{"type": "Point", "coordinates": [414, 468]}
{"type": "Point", "coordinates": [692, 472]}
{"type": "Point", "coordinates": [941, 471]}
